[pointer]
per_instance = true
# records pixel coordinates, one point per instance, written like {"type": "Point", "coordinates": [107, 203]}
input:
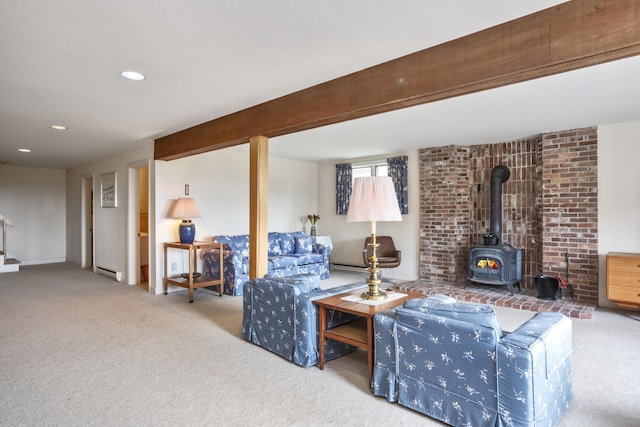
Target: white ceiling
{"type": "Point", "coordinates": [60, 64]}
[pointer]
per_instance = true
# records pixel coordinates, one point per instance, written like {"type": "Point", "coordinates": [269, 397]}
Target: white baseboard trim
{"type": "Point", "coordinates": [347, 267]}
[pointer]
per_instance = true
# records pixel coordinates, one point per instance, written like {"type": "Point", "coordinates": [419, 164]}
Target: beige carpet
{"type": "Point", "coordinates": [78, 349]}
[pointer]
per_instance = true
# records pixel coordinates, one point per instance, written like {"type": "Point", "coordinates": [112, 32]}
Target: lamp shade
{"type": "Point", "coordinates": [373, 199]}
{"type": "Point", "coordinates": [184, 207]}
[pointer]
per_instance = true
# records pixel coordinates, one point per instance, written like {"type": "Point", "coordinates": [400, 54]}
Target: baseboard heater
{"type": "Point", "coordinates": [109, 273]}
{"type": "Point", "coordinates": [349, 267]}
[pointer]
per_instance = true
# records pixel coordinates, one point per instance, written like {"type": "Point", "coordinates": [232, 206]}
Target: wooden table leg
{"type": "Point", "coordinates": [370, 340]}
{"type": "Point", "coordinates": [191, 272]}
{"type": "Point", "coordinates": [164, 279]}
{"type": "Point", "coordinates": [323, 322]}
{"type": "Point", "coordinates": [221, 270]}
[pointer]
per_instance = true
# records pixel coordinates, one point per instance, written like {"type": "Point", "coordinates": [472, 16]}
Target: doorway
{"type": "Point", "coordinates": [87, 231]}
{"type": "Point", "coordinates": [138, 225]}
{"type": "Point", "coordinates": [143, 230]}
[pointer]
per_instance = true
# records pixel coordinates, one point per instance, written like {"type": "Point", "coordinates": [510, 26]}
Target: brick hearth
{"type": "Point", "coordinates": [499, 296]}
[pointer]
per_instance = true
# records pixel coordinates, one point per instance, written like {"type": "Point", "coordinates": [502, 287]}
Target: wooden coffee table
{"type": "Point", "coordinates": [358, 332]}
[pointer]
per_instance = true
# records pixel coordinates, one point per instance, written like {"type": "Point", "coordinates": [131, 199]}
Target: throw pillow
{"type": "Point", "coordinates": [274, 245]}
{"type": "Point", "coordinates": [287, 243]}
{"type": "Point", "coordinates": [304, 245]}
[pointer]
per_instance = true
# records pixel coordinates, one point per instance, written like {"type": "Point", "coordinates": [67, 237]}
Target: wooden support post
{"type": "Point", "coordinates": [258, 205]}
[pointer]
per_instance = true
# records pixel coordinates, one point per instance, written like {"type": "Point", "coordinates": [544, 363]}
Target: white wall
{"type": "Point", "coordinates": [293, 194]}
{"type": "Point", "coordinates": [618, 194]}
{"type": "Point", "coordinates": [348, 237]}
{"type": "Point", "coordinates": [110, 224]}
{"type": "Point", "coordinates": [34, 198]}
{"type": "Point", "coordinates": [219, 183]}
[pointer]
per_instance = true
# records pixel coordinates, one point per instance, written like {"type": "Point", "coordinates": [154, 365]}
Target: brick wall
{"type": "Point", "coordinates": [549, 207]}
{"type": "Point", "coordinates": [570, 208]}
{"type": "Point", "coordinates": [444, 213]}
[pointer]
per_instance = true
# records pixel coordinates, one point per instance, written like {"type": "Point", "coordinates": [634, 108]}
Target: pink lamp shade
{"type": "Point", "coordinates": [373, 199]}
{"type": "Point", "coordinates": [185, 208]}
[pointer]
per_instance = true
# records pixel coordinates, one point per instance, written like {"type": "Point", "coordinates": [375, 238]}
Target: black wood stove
{"type": "Point", "coordinates": [495, 263]}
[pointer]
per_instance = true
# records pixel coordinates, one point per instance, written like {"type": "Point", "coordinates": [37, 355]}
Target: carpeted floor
{"type": "Point", "coordinates": [80, 349]}
{"type": "Point", "coordinates": [499, 296]}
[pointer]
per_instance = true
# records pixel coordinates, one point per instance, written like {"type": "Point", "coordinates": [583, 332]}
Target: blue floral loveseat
{"type": "Point", "coordinates": [289, 254]}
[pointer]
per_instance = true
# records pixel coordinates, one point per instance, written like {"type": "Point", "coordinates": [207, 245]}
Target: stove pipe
{"type": "Point", "coordinates": [499, 174]}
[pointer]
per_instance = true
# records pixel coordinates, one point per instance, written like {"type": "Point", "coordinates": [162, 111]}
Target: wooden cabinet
{"type": "Point", "coordinates": [623, 278]}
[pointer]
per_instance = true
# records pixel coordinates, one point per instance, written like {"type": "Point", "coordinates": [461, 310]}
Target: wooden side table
{"type": "Point", "coordinates": [358, 332]}
{"type": "Point", "coordinates": [192, 280]}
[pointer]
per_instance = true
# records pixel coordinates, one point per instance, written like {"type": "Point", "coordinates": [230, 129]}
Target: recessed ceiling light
{"type": "Point", "coordinates": [132, 75]}
{"type": "Point", "coordinates": [24, 150]}
{"type": "Point", "coordinates": [58, 127]}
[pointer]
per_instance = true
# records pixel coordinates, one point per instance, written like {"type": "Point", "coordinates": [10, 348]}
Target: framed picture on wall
{"type": "Point", "coordinates": [108, 193]}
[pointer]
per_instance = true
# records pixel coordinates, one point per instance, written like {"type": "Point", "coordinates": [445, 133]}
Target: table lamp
{"type": "Point", "coordinates": [185, 208]}
{"type": "Point", "coordinates": [373, 199]}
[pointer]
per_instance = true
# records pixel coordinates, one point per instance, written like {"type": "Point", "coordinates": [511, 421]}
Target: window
{"type": "Point", "coordinates": [373, 169]}
{"type": "Point", "coordinates": [395, 167]}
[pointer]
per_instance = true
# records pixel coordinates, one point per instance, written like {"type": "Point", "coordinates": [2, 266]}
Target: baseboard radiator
{"type": "Point", "coordinates": [349, 267]}
{"type": "Point", "coordinates": [109, 273]}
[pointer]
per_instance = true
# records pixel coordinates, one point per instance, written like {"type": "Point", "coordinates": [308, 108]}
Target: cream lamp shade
{"type": "Point", "coordinates": [185, 208]}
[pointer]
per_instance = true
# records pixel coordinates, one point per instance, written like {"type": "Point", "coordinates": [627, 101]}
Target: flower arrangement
{"type": "Point", "coordinates": [313, 218]}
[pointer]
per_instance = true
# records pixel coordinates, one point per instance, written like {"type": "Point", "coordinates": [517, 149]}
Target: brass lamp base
{"type": "Point", "coordinates": [373, 294]}
{"type": "Point", "coordinates": [373, 281]}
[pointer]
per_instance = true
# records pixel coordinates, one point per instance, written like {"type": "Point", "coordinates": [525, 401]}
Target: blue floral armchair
{"type": "Point", "coordinates": [288, 254]}
{"type": "Point", "coordinates": [280, 316]}
{"type": "Point", "coordinates": [452, 362]}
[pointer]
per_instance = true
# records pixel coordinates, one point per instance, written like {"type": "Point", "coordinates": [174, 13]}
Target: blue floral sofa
{"type": "Point", "coordinates": [280, 316]}
{"type": "Point", "coordinates": [289, 254]}
{"type": "Point", "coordinates": [452, 362]}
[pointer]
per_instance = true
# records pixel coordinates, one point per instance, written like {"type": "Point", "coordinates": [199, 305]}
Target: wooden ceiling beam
{"type": "Point", "coordinates": [569, 36]}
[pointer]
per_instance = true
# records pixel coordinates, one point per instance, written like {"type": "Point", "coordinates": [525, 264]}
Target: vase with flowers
{"type": "Point", "coordinates": [313, 219]}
